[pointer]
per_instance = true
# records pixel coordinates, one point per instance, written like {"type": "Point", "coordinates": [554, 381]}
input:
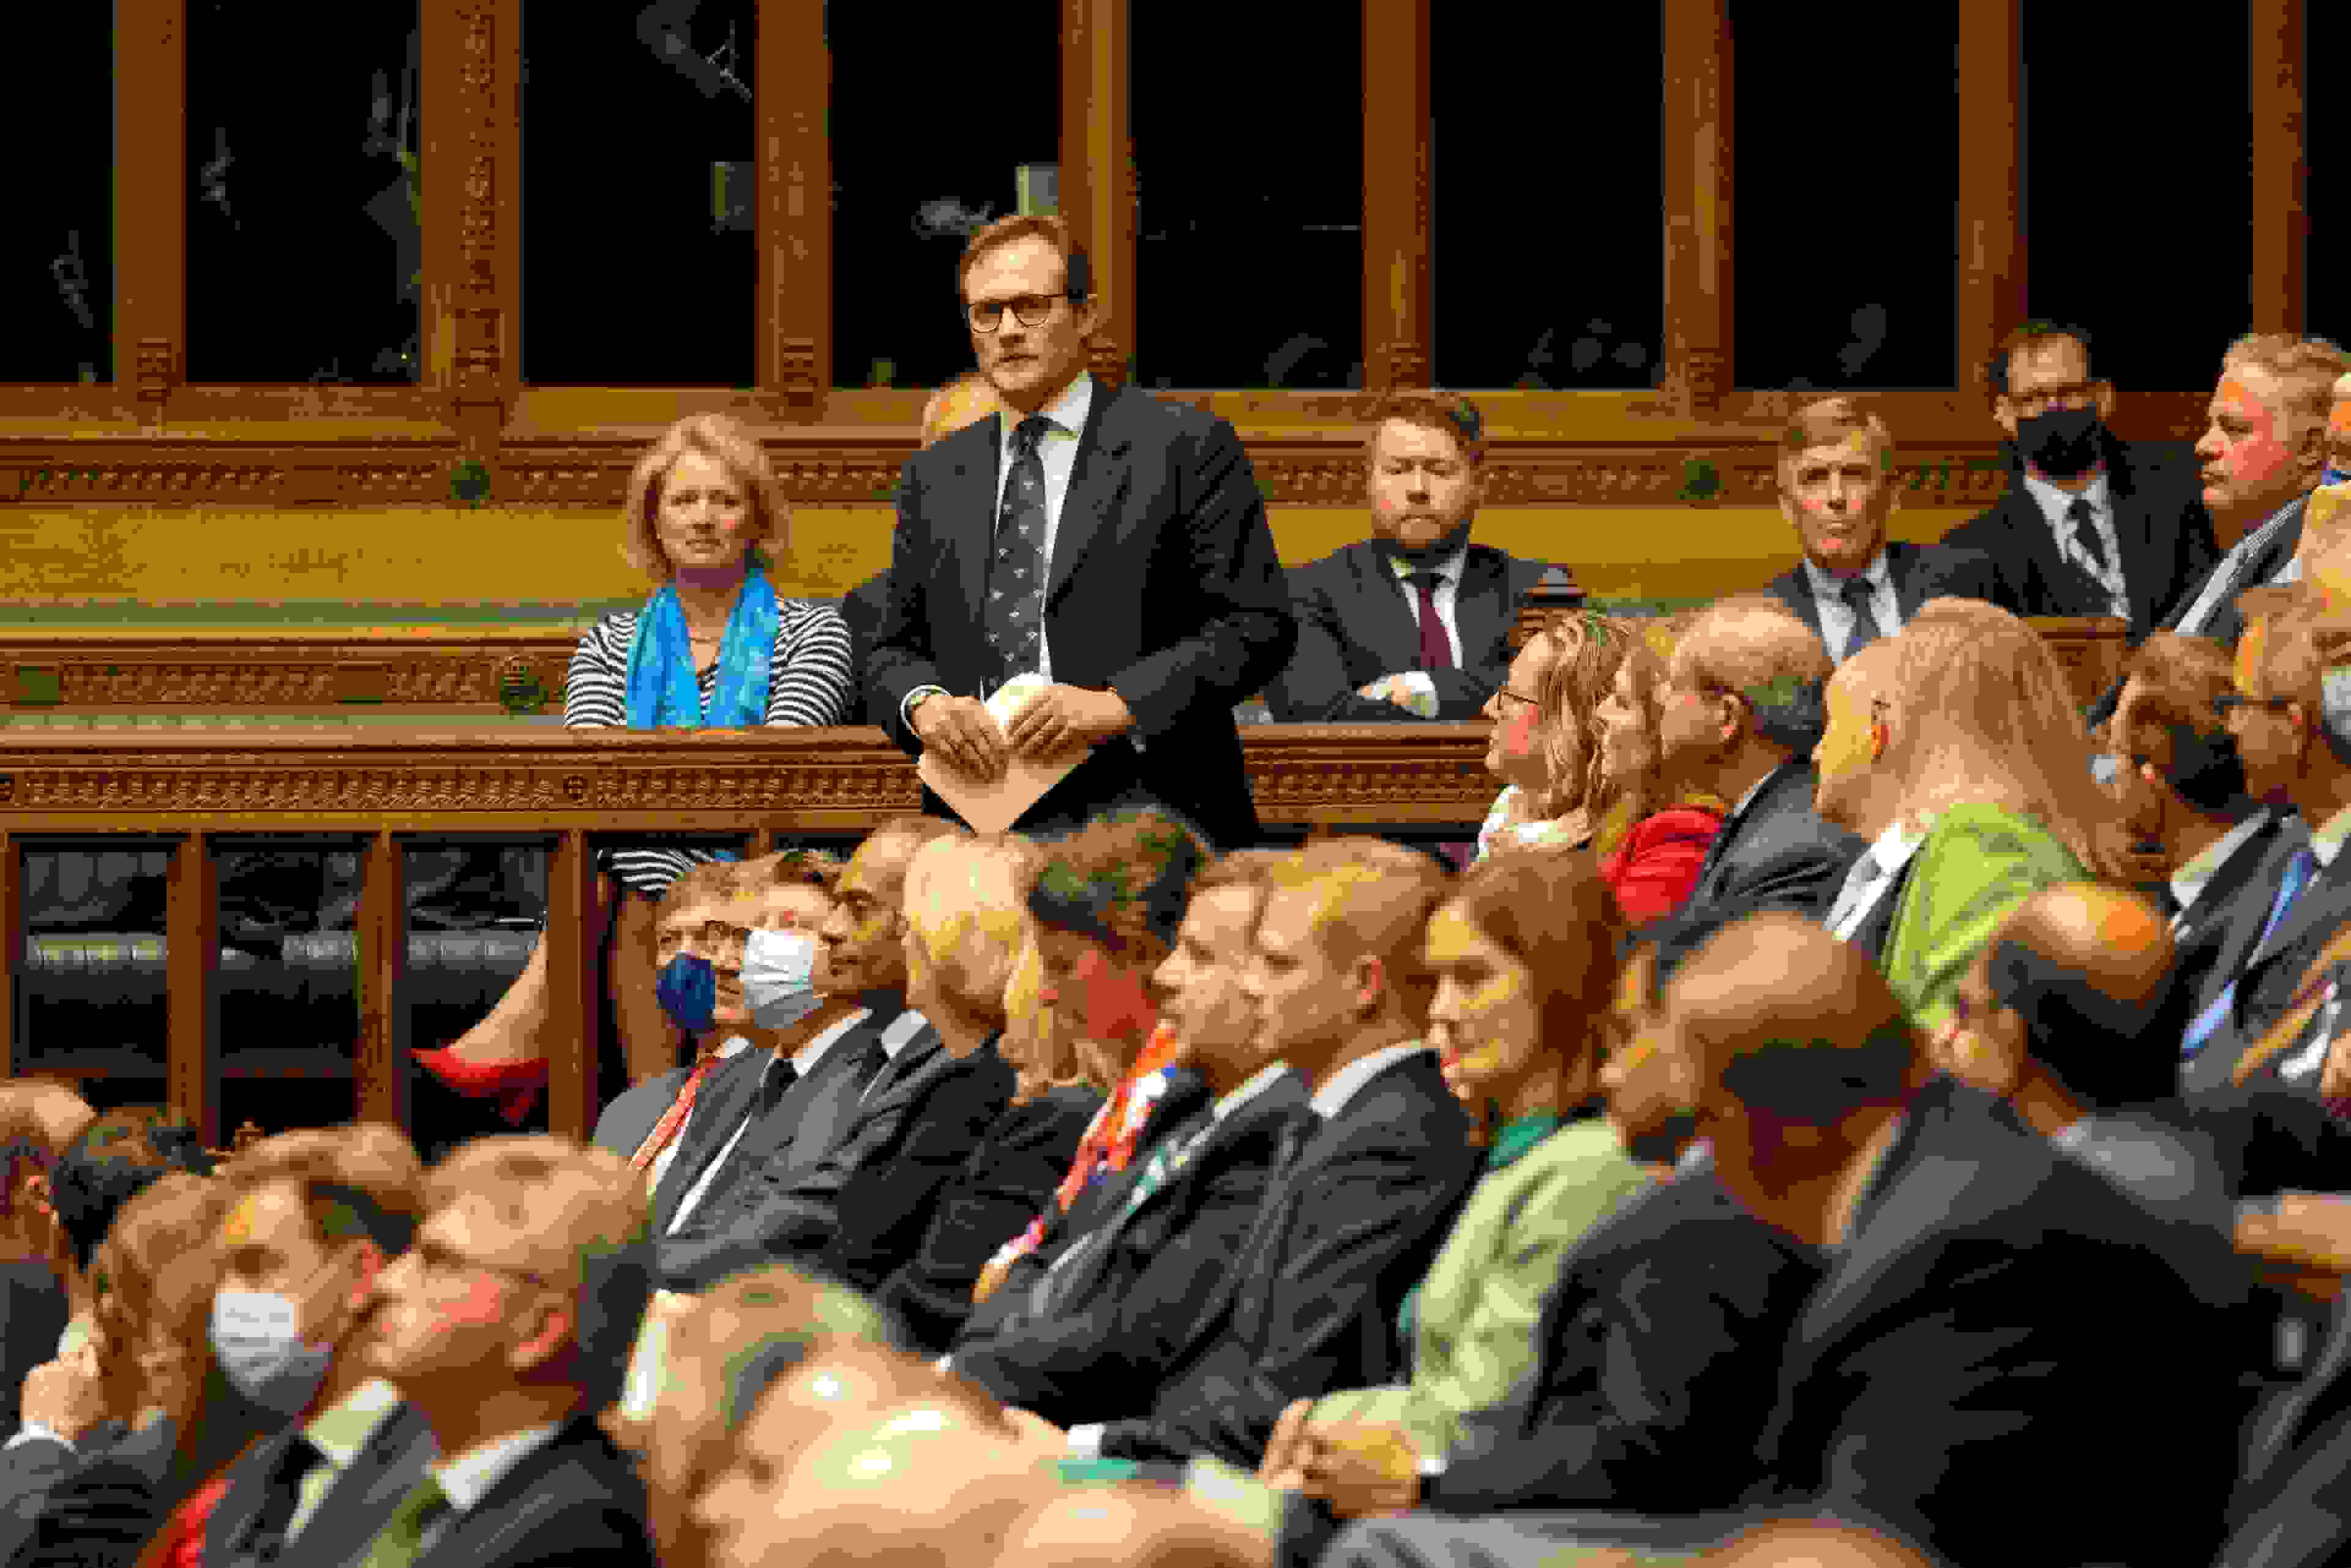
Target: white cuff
{"type": "Point", "coordinates": [1086, 1442]}
{"type": "Point", "coordinates": [1419, 683]}
{"type": "Point", "coordinates": [944, 1364]}
{"type": "Point", "coordinates": [906, 708]}
{"type": "Point", "coordinates": [2104, 766]}
{"type": "Point", "coordinates": [33, 1431]}
{"type": "Point", "coordinates": [1432, 1465]}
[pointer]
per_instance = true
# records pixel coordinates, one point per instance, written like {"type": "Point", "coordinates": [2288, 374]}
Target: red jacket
{"type": "Point", "coordinates": [1654, 870]}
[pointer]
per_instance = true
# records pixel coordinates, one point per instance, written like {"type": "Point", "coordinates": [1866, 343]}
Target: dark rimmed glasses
{"type": "Point", "coordinates": [1033, 310]}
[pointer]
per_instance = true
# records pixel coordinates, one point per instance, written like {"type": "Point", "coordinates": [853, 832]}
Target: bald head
{"type": "Point", "coordinates": [2114, 940]}
{"type": "Point", "coordinates": [1794, 1545]}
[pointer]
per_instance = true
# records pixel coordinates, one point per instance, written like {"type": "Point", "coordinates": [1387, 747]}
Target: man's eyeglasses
{"type": "Point", "coordinates": [1516, 697]}
{"type": "Point", "coordinates": [2035, 403]}
{"type": "Point", "coordinates": [985, 315]}
{"type": "Point", "coordinates": [442, 1263]}
{"type": "Point", "coordinates": [716, 937]}
{"type": "Point", "coordinates": [2230, 702]}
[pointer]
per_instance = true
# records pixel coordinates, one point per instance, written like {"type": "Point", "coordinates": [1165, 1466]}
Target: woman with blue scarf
{"type": "Point", "coordinates": [713, 648]}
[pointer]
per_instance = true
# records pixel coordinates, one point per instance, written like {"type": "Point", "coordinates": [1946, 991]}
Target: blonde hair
{"type": "Point", "coordinates": [1983, 714]}
{"type": "Point", "coordinates": [162, 1256]}
{"type": "Point", "coordinates": [2306, 370]}
{"type": "Point", "coordinates": [1372, 900]}
{"type": "Point", "coordinates": [1586, 650]}
{"type": "Point", "coordinates": [964, 904]}
{"type": "Point", "coordinates": [728, 443]}
{"type": "Point", "coordinates": [1828, 423]}
{"type": "Point", "coordinates": [1644, 792]}
{"type": "Point", "coordinates": [1037, 1041]}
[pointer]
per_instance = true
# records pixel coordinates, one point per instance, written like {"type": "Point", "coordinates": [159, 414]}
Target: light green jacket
{"type": "Point", "coordinates": [1977, 866]}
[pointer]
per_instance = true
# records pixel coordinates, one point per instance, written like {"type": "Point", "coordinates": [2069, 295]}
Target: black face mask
{"type": "Point", "coordinates": [1426, 555]}
{"type": "Point", "coordinates": [2063, 443]}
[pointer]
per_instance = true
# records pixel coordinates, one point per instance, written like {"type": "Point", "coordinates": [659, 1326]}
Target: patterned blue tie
{"type": "Point", "coordinates": [2208, 1023]}
{"type": "Point", "coordinates": [1015, 614]}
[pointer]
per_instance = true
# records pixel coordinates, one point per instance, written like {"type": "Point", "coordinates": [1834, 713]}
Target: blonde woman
{"type": "Point", "coordinates": [713, 648]}
{"type": "Point", "coordinates": [1544, 748]}
{"type": "Point", "coordinates": [1992, 790]}
{"type": "Point", "coordinates": [1652, 842]}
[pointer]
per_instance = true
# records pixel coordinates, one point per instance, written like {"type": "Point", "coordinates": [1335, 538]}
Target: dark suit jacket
{"type": "Point", "coordinates": [1920, 572]}
{"type": "Point", "coordinates": [2267, 974]}
{"type": "Point", "coordinates": [2212, 922]}
{"type": "Point", "coordinates": [1020, 1160]}
{"type": "Point", "coordinates": [1185, 1096]}
{"type": "Point", "coordinates": [1130, 1298]}
{"type": "Point", "coordinates": [1355, 625]}
{"type": "Point", "coordinates": [717, 1110]}
{"type": "Point", "coordinates": [2159, 520]}
{"type": "Point", "coordinates": [100, 1506]}
{"type": "Point", "coordinates": [33, 1314]}
{"type": "Point", "coordinates": [629, 1120]}
{"type": "Point", "coordinates": [859, 1212]}
{"type": "Point", "coordinates": [863, 607]}
{"type": "Point", "coordinates": [810, 1117]}
{"type": "Point", "coordinates": [1310, 1302]}
{"type": "Point", "coordinates": [1777, 854]}
{"type": "Point", "coordinates": [355, 1507]}
{"type": "Point", "coordinates": [575, 1500]}
{"type": "Point", "coordinates": [1164, 586]}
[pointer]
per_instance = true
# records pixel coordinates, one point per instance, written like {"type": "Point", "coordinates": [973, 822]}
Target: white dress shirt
{"type": "Point", "coordinates": [1837, 621]}
{"type": "Point", "coordinates": [1865, 884]}
{"type": "Point", "coordinates": [803, 1062]}
{"type": "Point", "coordinates": [467, 1476]}
{"type": "Point", "coordinates": [339, 1433]}
{"type": "Point", "coordinates": [658, 1172]}
{"type": "Point", "coordinates": [895, 1039]}
{"type": "Point", "coordinates": [2054, 504]}
{"type": "Point", "coordinates": [2189, 882]}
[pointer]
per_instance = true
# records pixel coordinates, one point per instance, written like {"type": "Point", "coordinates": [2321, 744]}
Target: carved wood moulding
{"type": "Point", "coordinates": [846, 779]}
{"type": "Point", "coordinates": [263, 673]}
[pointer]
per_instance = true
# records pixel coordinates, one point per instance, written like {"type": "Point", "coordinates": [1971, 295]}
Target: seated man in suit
{"type": "Point", "coordinates": [1739, 713]}
{"type": "Point", "coordinates": [2293, 728]}
{"type": "Point", "coordinates": [1837, 488]}
{"type": "Point", "coordinates": [1060, 1325]}
{"type": "Point", "coordinates": [38, 1122]}
{"type": "Point", "coordinates": [1415, 622]}
{"type": "Point", "coordinates": [507, 1324]}
{"type": "Point", "coordinates": [1307, 1303]}
{"type": "Point", "coordinates": [858, 1206]}
{"type": "Point", "coordinates": [2088, 525]}
{"type": "Point", "coordinates": [1960, 1354]}
{"type": "Point", "coordinates": [314, 1217]}
{"type": "Point", "coordinates": [2263, 451]}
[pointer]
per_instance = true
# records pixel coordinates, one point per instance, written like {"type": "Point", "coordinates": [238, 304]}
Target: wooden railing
{"type": "Point", "coordinates": [383, 788]}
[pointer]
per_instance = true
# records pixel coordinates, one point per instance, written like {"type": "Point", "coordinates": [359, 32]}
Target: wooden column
{"type": "Point", "coordinates": [572, 1046]}
{"type": "Point", "coordinates": [1097, 171]}
{"type": "Point", "coordinates": [2280, 226]}
{"type": "Point", "coordinates": [1992, 248]}
{"type": "Point", "coordinates": [190, 991]}
{"type": "Point", "coordinates": [150, 199]}
{"type": "Point", "coordinates": [12, 955]}
{"type": "Point", "coordinates": [380, 1067]}
{"type": "Point", "coordinates": [1396, 343]}
{"type": "Point", "coordinates": [791, 98]}
{"type": "Point", "coordinates": [1697, 203]}
{"type": "Point", "coordinates": [471, 180]}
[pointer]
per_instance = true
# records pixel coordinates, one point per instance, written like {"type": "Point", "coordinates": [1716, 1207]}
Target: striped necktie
{"type": "Point", "coordinates": [401, 1541]}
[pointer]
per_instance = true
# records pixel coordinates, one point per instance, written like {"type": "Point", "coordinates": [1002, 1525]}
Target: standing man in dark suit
{"type": "Point", "coordinates": [2088, 526]}
{"type": "Point", "coordinates": [1363, 1194]}
{"type": "Point", "coordinates": [1112, 542]}
{"type": "Point", "coordinates": [1415, 622]}
{"type": "Point", "coordinates": [2263, 451]}
{"type": "Point", "coordinates": [1837, 488]}
{"type": "Point", "coordinates": [1743, 708]}
{"type": "Point", "coordinates": [508, 1324]}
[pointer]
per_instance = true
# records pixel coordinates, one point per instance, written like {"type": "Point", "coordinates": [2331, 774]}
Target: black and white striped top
{"type": "Point", "coordinates": [811, 681]}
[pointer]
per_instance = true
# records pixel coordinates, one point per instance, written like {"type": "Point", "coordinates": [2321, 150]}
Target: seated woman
{"type": "Point", "coordinates": [1652, 844]}
{"type": "Point", "coordinates": [1543, 747]}
{"type": "Point", "coordinates": [713, 648]}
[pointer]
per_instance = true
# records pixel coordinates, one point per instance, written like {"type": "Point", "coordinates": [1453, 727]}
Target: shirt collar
{"type": "Point", "coordinates": [896, 1037]}
{"type": "Point", "coordinates": [1878, 574]}
{"type": "Point", "coordinates": [466, 1478]}
{"type": "Point", "coordinates": [1892, 849]}
{"type": "Point", "coordinates": [1515, 1138]}
{"type": "Point", "coordinates": [342, 1430]}
{"type": "Point", "coordinates": [2053, 501]}
{"type": "Point", "coordinates": [1444, 570]}
{"type": "Point", "coordinates": [734, 1045]}
{"type": "Point", "coordinates": [2192, 879]}
{"type": "Point", "coordinates": [1753, 790]}
{"type": "Point", "coordinates": [1348, 1082]}
{"type": "Point", "coordinates": [805, 1059]}
{"type": "Point", "coordinates": [1263, 1080]}
{"type": "Point", "coordinates": [1068, 412]}
{"type": "Point", "coordinates": [2326, 839]}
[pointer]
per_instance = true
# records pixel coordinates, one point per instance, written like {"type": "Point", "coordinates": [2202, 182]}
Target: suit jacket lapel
{"type": "Point", "coordinates": [1380, 615]}
{"type": "Point", "coordinates": [1483, 605]}
{"type": "Point", "coordinates": [2135, 521]}
{"type": "Point", "coordinates": [2029, 525]}
{"type": "Point", "coordinates": [1101, 473]}
{"type": "Point", "coordinates": [812, 1122]}
{"type": "Point", "coordinates": [717, 1110]}
{"type": "Point", "coordinates": [1794, 590]}
{"type": "Point", "coordinates": [971, 494]}
{"type": "Point", "coordinates": [1902, 564]}
{"type": "Point", "coordinates": [366, 1495]}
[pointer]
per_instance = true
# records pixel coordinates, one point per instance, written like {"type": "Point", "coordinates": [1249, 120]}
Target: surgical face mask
{"type": "Point", "coordinates": [687, 989]}
{"type": "Point", "coordinates": [779, 978]}
{"type": "Point", "coordinates": [256, 1338]}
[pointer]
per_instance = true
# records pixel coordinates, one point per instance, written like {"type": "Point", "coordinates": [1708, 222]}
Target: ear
{"type": "Point", "coordinates": [1371, 982]}
{"type": "Point", "coordinates": [547, 1340]}
{"type": "Point", "coordinates": [1879, 738]}
{"type": "Point", "coordinates": [372, 1261]}
{"type": "Point", "coordinates": [2105, 396]}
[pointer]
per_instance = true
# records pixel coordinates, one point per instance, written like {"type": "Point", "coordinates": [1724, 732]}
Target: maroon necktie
{"type": "Point", "coordinates": [1436, 650]}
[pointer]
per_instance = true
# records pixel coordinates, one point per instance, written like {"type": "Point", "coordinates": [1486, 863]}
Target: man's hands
{"type": "Point", "coordinates": [961, 730]}
{"type": "Point", "coordinates": [67, 1395]}
{"type": "Point", "coordinates": [1403, 693]}
{"type": "Point", "coordinates": [1060, 716]}
{"type": "Point", "coordinates": [1358, 1468]}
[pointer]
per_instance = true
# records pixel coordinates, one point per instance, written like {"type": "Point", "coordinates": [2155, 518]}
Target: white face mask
{"type": "Point", "coordinates": [779, 978]}
{"type": "Point", "coordinates": [261, 1351]}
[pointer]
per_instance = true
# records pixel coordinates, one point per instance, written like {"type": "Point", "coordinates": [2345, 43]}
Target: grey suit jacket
{"type": "Point", "coordinates": [1776, 854]}
{"type": "Point", "coordinates": [1920, 572]}
{"type": "Point", "coordinates": [357, 1504]}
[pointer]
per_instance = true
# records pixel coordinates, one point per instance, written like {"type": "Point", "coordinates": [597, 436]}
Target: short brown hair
{"type": "Point", "coordinates": [820, 868]}
{"type": "Point", "coordinates": [1048, 226]}
{"type": "Point", "coordinates": [1448, 413]}
{"type": "Point", "coordinates": [1242, 868]}
{"type": "Point", "coordinates": [1553, 912]}
{"type": "Point", "coordinates": [1373, 900]}
{"type": "Point", "coordinates": [1121, 879]}
{"type": "Point", "coordinates": [728, 443]}
{"type": "Point", "coordinates": [2305, 639]}
{"type": "Point", "coordinates": [1826, 423]}
{"type": "Point", "coordinates": [160, 1258]}
{"type": "Point", "coordinates": [28, 1145]}
{"type": "Point", "coordinates": [1753, 646]}
{"type": "Point", "coordinates": [709, 882]}
{"type": "Point", "coordinates": [2305, 370]}
{"type": "Point", "coordinates": [2179, 678]}
{"type": "Point", "coordinates": [371, 1159]}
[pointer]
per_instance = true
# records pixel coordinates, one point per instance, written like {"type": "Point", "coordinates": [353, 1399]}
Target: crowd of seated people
{"type": "Point", "coordinates": [1852, 1105]}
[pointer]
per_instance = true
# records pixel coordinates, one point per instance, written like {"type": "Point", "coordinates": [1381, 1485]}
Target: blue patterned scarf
{"type": "Point", "coordinates": [662, 691]}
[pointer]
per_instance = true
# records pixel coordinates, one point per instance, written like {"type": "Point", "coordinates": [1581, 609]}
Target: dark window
{"type": "Point", "coordinates": [640, 263]}
{"type": "Point", "coordinates": [1545, 240]}
{"type": "Point", "coordinates": [931, 126]}
{"type": "Point", "coordinates": [2138, 203]}
{"type": "Point", "coordinates": [303, 247]}
{"type": "Point", "coordinates": [1248, 149]}
{"type": "Point", "coordinates": [56, 249]}
{"type": "Point", "coordinates": [1844, 181]}
{"type": "Point", "coordinates": [2327, 122]}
